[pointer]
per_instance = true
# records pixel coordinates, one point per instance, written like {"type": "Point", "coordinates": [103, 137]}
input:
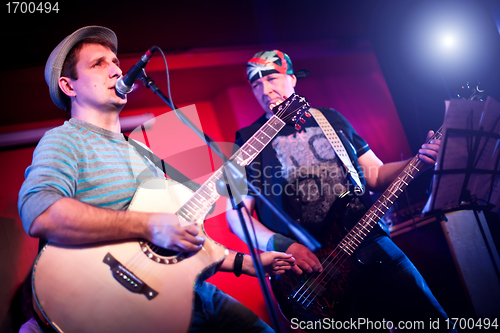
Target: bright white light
{"type": "Point", "coordinates": [445, 38]}
{"type": "Point", "coordinates": [449, 41]}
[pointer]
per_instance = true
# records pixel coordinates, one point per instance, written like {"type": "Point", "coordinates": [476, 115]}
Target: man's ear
{"type": "Point", "coordinates": [293, 79]}
{"type": "Point", "coordinates": [66, 86]}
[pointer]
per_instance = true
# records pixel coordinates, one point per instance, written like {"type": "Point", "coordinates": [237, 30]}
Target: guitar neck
{"type": "Point", "coordinates": [202, 200]}
{"type": "Point", "coordinates": [359, 232]}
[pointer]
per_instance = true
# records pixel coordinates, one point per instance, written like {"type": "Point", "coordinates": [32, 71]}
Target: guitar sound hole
{"type": "Point", "coordinates": [161, 255]}
{"type": "Point", "coordinates": [162, 251]}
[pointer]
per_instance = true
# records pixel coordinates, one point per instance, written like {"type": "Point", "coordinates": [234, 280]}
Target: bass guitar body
{"type": "Point", "coordinates": [126, 286]}
{"type": "Point", "coordinates": [312, 297]}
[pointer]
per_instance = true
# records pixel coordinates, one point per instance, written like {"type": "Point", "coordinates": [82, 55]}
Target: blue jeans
{"type": "Point", "coordinates": [393, 289]}
{"type": "Point", "coordinates": [215, 311]}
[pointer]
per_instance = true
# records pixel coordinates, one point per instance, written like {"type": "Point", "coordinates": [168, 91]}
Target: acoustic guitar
{"type": "Point", "coordinates": [135, 286]}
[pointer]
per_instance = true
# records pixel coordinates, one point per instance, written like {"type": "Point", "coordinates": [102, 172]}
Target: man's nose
{"type": "Point", "coordinates": [114, 70]}
{"type": "Point", "coordinates": [266, 88]}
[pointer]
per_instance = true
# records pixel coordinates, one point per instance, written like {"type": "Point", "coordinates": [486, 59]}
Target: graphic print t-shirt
{"type": "Point", "coordinates": [300, 173]}
{"type": "Point", "coordinates": [312, 170]}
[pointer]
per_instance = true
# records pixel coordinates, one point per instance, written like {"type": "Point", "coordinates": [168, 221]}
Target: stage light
{"type": "Point", "coordinates": [449, 45]}
{"type": "Point", "coordinates": [449, 42]}
{"type": "Point", "coordinates": [446, 40]}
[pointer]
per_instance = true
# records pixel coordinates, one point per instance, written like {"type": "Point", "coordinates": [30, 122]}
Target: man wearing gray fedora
{"type": "Point", "coordinates": [84, 175]}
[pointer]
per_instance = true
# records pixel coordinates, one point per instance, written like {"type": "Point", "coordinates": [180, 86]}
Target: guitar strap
{"type": "Point", "coordinates": [337, 145]}
{"type": "Point", "coordinates": [169, 170]}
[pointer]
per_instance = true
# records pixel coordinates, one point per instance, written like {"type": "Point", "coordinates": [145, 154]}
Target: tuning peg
{"type": "Point", "coordinates": [297, 127]}
{"type": "Point", "coordinates": [307, 114]}
{"type": "Point", "coordinates": [302, 120]}
{"type": "Point", "coordinates": [271, 106]}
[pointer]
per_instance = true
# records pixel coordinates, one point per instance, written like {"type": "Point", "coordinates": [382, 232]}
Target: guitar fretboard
{"type": "Point", "coordinates": [202, 200]}
{"type": "Point", "coordinates": [359, 232]}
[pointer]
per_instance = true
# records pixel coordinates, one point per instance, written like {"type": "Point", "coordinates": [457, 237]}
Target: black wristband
{"type": "Point", "coordinates": [238, 263]}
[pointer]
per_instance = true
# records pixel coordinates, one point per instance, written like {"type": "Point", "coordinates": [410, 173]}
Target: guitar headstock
{"type": "Point", "coordinates": [292, 110]}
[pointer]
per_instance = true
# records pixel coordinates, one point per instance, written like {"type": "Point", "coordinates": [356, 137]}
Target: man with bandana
{"type": "Point", "coordinates": [300, 174]}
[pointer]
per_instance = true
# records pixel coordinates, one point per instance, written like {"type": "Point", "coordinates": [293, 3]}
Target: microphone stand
{"type": "Point", "coordinates": [235, 196]}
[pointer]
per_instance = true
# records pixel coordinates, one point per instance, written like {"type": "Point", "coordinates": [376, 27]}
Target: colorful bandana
{"type": "Point", "coordinates": [268, 62]}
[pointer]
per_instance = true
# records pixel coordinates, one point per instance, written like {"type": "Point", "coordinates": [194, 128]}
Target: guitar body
{"type": "Point", "coordinates": [312, 297]}
{"type": "Point", "coordinates": [329, 300]}
{"type": "Point", "coordinates": [76, 289]}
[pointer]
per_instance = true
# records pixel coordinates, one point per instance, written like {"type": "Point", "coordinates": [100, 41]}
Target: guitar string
{"type": "Point", "coordinates": [350, 242]}
{"type": "Point", "coordinates": [312, 288]}
{"type": "Point", "coordinates": [413, 164]}
{"type": "Point", "coordinates": [136, 260]}
{"type": "Point", "coordinates": [279, 114]}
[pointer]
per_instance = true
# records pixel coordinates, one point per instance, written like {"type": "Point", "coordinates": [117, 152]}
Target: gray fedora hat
{"type": "Point", "coordinates": [54, 64]}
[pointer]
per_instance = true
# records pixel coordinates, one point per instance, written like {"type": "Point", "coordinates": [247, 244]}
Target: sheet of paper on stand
{"type": "Point", "coordinates": [468, 167]}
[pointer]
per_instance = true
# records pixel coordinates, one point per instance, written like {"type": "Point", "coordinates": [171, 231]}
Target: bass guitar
{"type": "Point", "coordinates": [321, 295]}
{"type": "Point", "coordinates": [135, 286]}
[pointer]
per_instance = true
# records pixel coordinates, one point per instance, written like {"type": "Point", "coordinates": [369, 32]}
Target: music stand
{"type": "Point", "coordinates": [465, 183]}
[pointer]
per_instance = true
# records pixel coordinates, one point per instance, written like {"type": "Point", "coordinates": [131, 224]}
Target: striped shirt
{"type": "Point", "coordinates": [82, 161]}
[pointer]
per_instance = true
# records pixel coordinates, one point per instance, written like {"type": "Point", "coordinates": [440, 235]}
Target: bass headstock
{"type": "Point", "coordinates": [292, 110]}
{"type": "Point", "coordinates": [472, 91]}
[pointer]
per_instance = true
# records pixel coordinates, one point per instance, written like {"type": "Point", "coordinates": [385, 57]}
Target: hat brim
{"type": "Point", "coordinates": [55, 62]}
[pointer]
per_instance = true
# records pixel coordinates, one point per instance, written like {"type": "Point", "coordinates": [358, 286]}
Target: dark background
{"type": "Point", "coordinates": [401, 33]}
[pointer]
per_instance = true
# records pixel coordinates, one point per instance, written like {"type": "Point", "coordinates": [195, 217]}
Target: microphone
{"type": "Point", "coordinates": [125, 84]}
